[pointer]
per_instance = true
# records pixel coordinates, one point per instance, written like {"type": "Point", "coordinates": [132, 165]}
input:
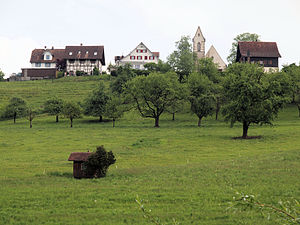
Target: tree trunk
{"type": "Point", "coordinates": [156, 121]}
{"type": "Point", "coordinates": [100, 119]}
{"type": "Point", "coordinates": [71, 120]}
{"type": "Point", "coordinates": [56, 118]}
{"type": "Point", "coordinates": [114, 122]}
{"type": "Point", "coordinates": [199, 121]}
{"type": "Point", "coordinates": [15, 116]}
{"type": "Point", "coordinates": [217, 109]}
{"type": "Point", "coordinates": [298, 109]}
{"type": "Point", "coordinates": [30, 123]}
{"type": "Point", "coordinates": [173, 116]}
{"type": "Point", "coordinates": [245, 130]}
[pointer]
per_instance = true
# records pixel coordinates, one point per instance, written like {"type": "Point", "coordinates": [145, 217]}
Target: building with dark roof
{"type": "Point", "coordinates": [263, 53]}
{"type": "Point", "coordinates": [84, 58]}
{"type": "Point", "coordinates": [46, 62]}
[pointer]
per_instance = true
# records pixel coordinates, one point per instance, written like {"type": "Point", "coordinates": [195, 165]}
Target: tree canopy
{"type": "Point", "coordinates": [153, 94]}
{"type": "Point", "coordinates": [71, 110]}
{"type": "Point", "coordinates": [114, 108]}
{"type": "Point", "coordinates": [16, 107]}
{"type": "Point", "coordinates": [54, 107]}
{"type": "Point", "coordinates": [1, 76]}
{"type": "Point", "coordinates": [201, 95]}
{"type": "Point", "coordinates": [293, 71]}
{"type": "Point", "coordinates": [183, 58]}
{"type": "Point", "coordinates": [253, 96]}
{"type": "Point", "coordinates": [95, 103]}
{"type": "Point", "coordinates": [241, 37]}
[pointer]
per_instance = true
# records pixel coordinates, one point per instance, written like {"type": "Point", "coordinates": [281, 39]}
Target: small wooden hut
{"type": "Point", "coordinates": [78, 158]}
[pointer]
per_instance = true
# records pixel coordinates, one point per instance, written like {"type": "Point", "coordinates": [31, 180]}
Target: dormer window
{"type": "Point", "coordinates": [70, 53]}
{"type": "Point", "coordinates": [79, 52]}
{"type": "Point", "coordinates": [95, 53]}
{"type": "Point", "coordinates": [87, 52]}
{"type": "Point", "coordinates": [47, 57]}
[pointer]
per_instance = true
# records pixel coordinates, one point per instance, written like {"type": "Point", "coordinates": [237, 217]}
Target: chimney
{"type": "Point", "coordinates": [45, 47]}
{"type": "Point", "coordinates": [52, 47]}
{"type": "Point", "coordinates": [80, 44]}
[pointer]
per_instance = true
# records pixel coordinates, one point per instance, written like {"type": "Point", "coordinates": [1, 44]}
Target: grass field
{"type": "Point", "coordinates": [181, 171]}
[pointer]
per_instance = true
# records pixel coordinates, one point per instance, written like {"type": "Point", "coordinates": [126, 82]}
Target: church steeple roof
{"type": "Point", "coordinates": [199, 34]}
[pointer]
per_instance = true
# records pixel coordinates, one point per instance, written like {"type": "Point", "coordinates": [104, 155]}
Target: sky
{"type": "Point", "coordinates": [120, 25]}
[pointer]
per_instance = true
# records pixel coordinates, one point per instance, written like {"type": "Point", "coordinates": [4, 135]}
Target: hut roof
{"type": "Point", "coordinates": [79, 156]}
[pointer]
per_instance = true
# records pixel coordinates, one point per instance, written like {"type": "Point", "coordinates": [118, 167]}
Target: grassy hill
{"type": "Point", "coordinates": [182, 172]}
{"type": "Point", "coordinates": [37, 92]}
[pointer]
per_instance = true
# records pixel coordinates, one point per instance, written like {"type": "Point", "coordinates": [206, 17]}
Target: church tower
{"type": "Point", "coordinates": [199, 44]}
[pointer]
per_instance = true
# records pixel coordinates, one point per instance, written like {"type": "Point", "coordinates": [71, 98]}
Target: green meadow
{"type": "Point", "coordinates": [181, 171]}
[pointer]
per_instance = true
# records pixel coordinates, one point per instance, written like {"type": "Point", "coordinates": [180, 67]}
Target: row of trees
{"type": "Point", "coordinates": [244, 92]}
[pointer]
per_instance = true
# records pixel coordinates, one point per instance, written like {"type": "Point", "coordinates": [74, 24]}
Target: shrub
{"type": "Point", "coordinates": [97, 163]}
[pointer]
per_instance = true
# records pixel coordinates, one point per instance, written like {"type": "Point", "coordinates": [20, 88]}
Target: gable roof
{"type": "Point", "coordinates": [85, 52]}
{"type": "Point", "coordinates": [212, 53]}
{"type": "Point", "coordinates": [258, 49]}
{"type": "Point", "coordinates": [79, 156]}
{"type": "Point", "coordinates": [37, 55]}
{"type": "Point", "coordinates": [154, 53]}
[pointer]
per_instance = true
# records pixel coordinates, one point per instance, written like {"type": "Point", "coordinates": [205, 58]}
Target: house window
{"type": "Point", "coordinates": [71, 61]}
{"type": "Point", "coordinates": [47, 64]}
{"type": "Point", "coordinates": [139, 57]}
{"type": "Point", "coordinates": [151, 57]}
{"type": "Point", "coordinates": [47, 57]}
{"type": "Point", "coordinates": [37, 64]}
{"type": "Point", "coordinates": [137, 50]}
{"type": "Point", "coordinates": [70, 53]}
{"type": "Point", "coordinates": [79, 52]}
{"type": "Point", "coordinates": [270, 62]}
{"type": "Point", "coordinates": [146, 57]}
{"type": "Point", "coordinates": [95, 53]}
{"type": "Point", "coordinates": [132, 57]}
{"type": "Point", "coordinates": [87, 52]}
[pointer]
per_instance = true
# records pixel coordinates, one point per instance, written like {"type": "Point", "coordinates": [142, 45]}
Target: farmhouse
{"type": "Point", "coordinates": [78, 158]}
{"type": "Point", "coordinates": [138, 57]}
{"type": "Point", "coordinates": [199, 50]}
{"type": "Point", "coordinates": [46, 62]}
{"type": "Point", "coordinates": [265, 54]}
{"type": "Point", "coordinates": [84, 58]}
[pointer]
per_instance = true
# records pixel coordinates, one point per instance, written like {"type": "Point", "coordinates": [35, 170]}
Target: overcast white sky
{"type": "Point", "coordinates": [120, 25]}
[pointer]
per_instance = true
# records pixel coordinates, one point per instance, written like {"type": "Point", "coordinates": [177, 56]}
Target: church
{"type": "Point", "coordinates": [199, 49]}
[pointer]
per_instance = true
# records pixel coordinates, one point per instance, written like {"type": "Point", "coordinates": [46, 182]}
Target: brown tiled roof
{"type": "Point", "coordinates": [40, 72]}
{"type": "Point", "coordinates": [85, 52]}
{"type": "Point", "coordinates": [79, 156]}
{"type": "Point", "coordinates": [37, 55]}
{"type": "Point", "coordinates": [258, 49]}
{"type": "Point", "coordinates": [156, 54]}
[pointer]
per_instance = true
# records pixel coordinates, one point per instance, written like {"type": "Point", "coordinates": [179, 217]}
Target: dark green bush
{"type": "Point", "coordinates": [98, 163]}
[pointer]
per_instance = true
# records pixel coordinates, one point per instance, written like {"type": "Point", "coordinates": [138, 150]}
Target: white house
{"type": "Point", "coordinates": [138, 57]}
